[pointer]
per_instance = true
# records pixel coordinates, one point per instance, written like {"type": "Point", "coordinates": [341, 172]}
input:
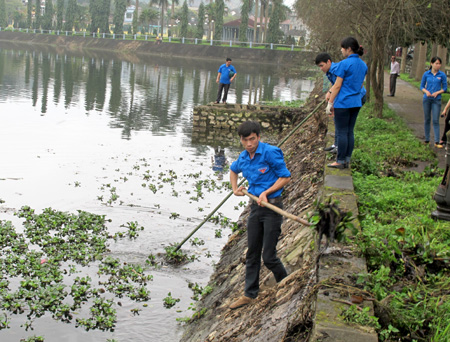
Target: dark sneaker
{"type": "Point", "coordinates": [334, 150]}
{"type": "Point", "coordinates": [241, 302]}
{"type": "Point", "coordinates": [329, 148]}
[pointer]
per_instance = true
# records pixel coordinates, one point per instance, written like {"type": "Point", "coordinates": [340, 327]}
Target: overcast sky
{"type": "Point", "coordinates": [288, 2]}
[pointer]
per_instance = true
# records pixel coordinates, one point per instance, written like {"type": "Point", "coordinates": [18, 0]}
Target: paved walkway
{"type": "Point", "coordinates": [407, 103]}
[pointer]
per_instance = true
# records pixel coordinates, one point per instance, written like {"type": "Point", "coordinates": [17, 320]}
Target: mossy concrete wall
{"type": "Point", "coordinates": [338, 267]}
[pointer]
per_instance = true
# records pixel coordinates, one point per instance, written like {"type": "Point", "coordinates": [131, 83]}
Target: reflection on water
{"type": "Point", "coordinates": [138, 96]}
{"type": "Point", "coordinates": [73, 127]}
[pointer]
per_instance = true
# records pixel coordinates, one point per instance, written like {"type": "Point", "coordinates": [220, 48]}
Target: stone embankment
{"type": "Point", "coordinates": [306, 305]}
{"type": "Point", "coordinates": [213, 120]}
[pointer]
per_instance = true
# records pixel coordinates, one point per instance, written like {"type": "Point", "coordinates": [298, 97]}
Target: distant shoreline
{"type": "Point", "coordinates": [132, 47]}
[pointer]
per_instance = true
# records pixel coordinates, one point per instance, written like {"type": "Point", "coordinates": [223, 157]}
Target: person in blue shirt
{"type": "Point", "coordinates": [345, 99]}
{"type": "Point", "coordinates": [226, 75]}
{"type": "Point", "coordinates": [265, 170]}
{"type": "Point", "coordinates": [434, 83]}
{"type": "Point", "coordinates": [324, 62]}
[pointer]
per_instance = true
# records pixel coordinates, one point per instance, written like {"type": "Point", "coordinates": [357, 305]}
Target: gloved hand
{"type": "Point", "coordinates": [329, 107]}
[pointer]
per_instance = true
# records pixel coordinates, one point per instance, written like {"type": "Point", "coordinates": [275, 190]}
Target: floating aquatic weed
{"type": "Point", "coordinates": [153, 188]}
{"type": "Point", "coordinates": [169, 301]}
{"type": "Point", "coordinates": [176, 257]}
{"type": "Point", "coordinates": [4, 322]}
{"type": "Point", "coordinates": [135, 311]}
{"type": "Point", "coordinates": [133, 228]}
{"type": "Point", "coordinates": [151, 260]}
{"type": "Point", "coordinates": [197, 242]}
{"type": "Point", "coordinates": [218, 233]}
{"type": "Point", "coordinates": [63, 237]}
{"type": "Point", "coordinates": [103, 316]}
{"type": "Point", "coordinates": [33, 339]}
{"type": "Point", "coordinates": [199, 291]}
{"type": "Point", "coordinates": [174, 216]}
{"type": "Point", "coordinates": [170, 178]}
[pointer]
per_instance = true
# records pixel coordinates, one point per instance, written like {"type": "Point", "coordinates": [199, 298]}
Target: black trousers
{"type": "Point", "coordinates": [225, 88]}
{"type": "Point", "coordinates": [446, 127]}
{"type": "Point", "coordinates": [392, 83]}
{"type": "Point", "coordinates": [263, 231]}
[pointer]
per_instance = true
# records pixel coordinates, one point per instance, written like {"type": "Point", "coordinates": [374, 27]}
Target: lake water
{"type": "Point", "coordinates": [72, 128]}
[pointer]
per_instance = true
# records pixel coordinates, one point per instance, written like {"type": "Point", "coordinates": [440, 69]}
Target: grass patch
{"type": "Point", "coordinates": [408, 253]}
{"type": "Point", "coordinates": [385, 143]}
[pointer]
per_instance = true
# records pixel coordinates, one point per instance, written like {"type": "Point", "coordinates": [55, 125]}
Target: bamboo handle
{"type": "Point", "coordinates": [278, 210]}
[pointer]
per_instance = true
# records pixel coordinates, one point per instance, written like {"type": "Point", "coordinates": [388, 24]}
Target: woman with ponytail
{"type": "Point", "coordinates": [345, 98]}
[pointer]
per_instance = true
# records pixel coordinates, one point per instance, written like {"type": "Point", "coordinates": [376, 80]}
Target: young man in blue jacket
{"type": "Point", "coordinates": [226, 75]}
{"type": "Point", "coordinates": [265, 170]}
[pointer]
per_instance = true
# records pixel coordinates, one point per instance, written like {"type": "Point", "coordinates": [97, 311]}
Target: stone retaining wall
{"type": "Point", "coordinates": [223, 119]}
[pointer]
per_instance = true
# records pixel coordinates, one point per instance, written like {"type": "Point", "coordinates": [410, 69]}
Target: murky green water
{"type": "Point", "coordinates": [72, 128]}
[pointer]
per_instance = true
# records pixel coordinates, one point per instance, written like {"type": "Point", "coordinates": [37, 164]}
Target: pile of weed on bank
{"type": "Point", "coordinates": [408, 253]}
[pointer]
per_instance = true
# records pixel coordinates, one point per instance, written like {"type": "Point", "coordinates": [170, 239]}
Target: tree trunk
{"type": "Point", "coordinates": [261, 15]}
{"type": "Point", "coordinates": [434, 50]}
{"type": "Point", "coordinates": [162, 19]}
{"type": "Point", "coordinates": [403, 62]}
{"type": "Point", "coordinates": [266, 20]}
{"type": "Point", "coordinates": [172, 17]}
{"type": "Point", "coordinates": [137, 11]}
{"type": "Point", "coordinates": [368, 83]}
{"type": "Point", "coordinates": [421, 61]}
{"type": "Point", "coordinates": [209, 23]}
{"type": "Point", "coordinates": [255, 24]}
{"type": "Point", "coordinates": [377, 72]}
{"type": "Point", "coordinates": [442, 52]}
{"type": "Point", "coordinates": [412, 72]}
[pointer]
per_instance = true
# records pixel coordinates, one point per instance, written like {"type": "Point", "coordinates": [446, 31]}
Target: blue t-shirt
{"type": "Point", "coordinates": [352, 70]}
{"type": "Point", "coordinates": [225, 73]}
{"type": "Point", "coordinates": [433, 83]}
{"type": "Point", "coordinates": [263, 170]}
{"type": "Point", "coordinates": [331, 74]}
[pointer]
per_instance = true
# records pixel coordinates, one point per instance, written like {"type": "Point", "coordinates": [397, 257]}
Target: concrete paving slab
{"type": "Point", "coordinates": [339, 182]}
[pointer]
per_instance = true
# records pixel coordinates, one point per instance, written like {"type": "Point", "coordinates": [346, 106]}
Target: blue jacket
{"type": "Point", "coordinates": [353, 71]}
{"type": "Point", "coordinates": [263, 170]}
{"type": "Point", "coordinates": [331, 74]}
{"type": "Point", "coordinates": [433, 83]}
{"type": "Point", "coordinates": [225, 73]}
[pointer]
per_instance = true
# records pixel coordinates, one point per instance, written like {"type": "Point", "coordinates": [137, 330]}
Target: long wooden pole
{"type": "Point", "coordinates": [278, 210]}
